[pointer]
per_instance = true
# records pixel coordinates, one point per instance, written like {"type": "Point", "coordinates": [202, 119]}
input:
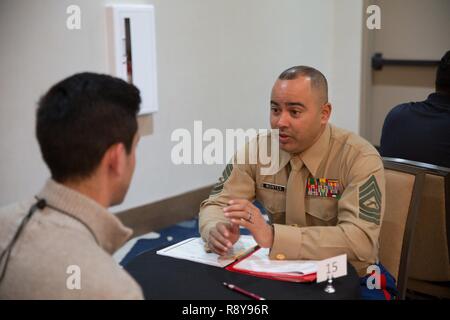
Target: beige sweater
{"type": "Point", "coordinates": [56, 250]}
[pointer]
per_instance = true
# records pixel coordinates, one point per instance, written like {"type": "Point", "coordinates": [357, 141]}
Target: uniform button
{"type": "Point", "coordinates": [280, 256]}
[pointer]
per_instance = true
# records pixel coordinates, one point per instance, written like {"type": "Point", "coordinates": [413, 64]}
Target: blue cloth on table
{"type": "Point", "coordinates": [388, 290]}
{"type": "Point", "coordinates": [167, 237]}
{"type": "Point", "coordinates": [173, 234]}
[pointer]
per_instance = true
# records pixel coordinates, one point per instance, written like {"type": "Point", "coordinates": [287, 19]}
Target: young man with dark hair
{"type": "Point", "coordinates": [58, 245]}
{"type": "Point", "coordinates": [420, 131]}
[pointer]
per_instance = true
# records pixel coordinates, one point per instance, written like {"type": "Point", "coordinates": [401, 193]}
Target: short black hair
{"type": "Point", "coordinates": [443, 74]}
{"type": "Point", "coordinates": [80, 117]}
{"type": "Point", "coordinates": [318, 80]}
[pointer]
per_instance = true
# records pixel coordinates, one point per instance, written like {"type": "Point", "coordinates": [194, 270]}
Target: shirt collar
{"type": "Point", "coordinates": [440, 99]}
{"type": "Point", "coordinates": [312, 157]}
{"type": "Point", "coordinates": [109, 232]}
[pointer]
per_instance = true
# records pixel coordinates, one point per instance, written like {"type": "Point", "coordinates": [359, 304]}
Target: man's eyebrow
{"type": "Point", "coordinates": [289, 104]}
{"type": "Point", "coordinates": [296, 104]}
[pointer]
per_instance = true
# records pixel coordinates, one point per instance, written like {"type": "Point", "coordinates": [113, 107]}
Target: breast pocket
{"type": "Point", "coordinates": [321, 211]}
{"type": "Point", "coordinates": [274, 202]}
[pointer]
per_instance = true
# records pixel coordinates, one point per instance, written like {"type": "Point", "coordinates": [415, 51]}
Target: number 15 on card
{"type": "Point", "coordinates": [334, 267]}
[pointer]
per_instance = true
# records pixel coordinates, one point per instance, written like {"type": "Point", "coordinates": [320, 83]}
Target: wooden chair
{"type": "Point", "coordinates": [429, 272]}
{"type": "Point", "coordinates": [404, 185]}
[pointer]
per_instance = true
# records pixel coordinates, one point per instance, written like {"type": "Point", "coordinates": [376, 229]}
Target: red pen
{"type": "Point", "coordinates": [244, 292]}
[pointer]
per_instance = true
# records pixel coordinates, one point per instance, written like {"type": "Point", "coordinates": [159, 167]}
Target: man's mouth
{"type": "Point", "coordinates": [284, 138]}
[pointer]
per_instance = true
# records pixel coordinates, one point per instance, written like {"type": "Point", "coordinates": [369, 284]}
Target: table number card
{"type": "Point", "coordinates": [335, 267]}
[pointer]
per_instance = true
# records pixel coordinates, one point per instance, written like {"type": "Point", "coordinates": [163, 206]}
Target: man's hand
{"type": "Point", "coordinates": [222, 237]}
{"type": "Point", "coordinates": [243, 213]}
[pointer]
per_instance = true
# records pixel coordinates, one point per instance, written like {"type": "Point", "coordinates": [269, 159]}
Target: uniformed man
{"type": "Point", "coordinates": [327, 197]}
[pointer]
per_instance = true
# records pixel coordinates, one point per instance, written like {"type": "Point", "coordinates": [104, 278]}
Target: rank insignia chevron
{"type": "Point", "coordinates": [218, 187]}
{"type": "Point", "coordinates": [370, 201]}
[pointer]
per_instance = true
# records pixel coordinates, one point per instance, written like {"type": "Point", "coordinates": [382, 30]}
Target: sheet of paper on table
{"type": "Point", "coordinates": [193, 249]}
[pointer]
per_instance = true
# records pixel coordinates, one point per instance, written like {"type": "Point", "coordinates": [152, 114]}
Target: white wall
{"type": "Point", "coordinates": [217, 61]}
{"type": "Point", "coordinates": [345, 79]}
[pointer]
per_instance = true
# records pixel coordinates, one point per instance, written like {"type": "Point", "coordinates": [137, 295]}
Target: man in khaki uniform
{"type": "Point", "coordinates": [327, 197]}
{"type": "Point", "coordinates": [58, 245]}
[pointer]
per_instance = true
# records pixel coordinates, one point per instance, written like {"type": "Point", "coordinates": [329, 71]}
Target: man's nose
{"type": "Point", "coordinates": [283, 120]}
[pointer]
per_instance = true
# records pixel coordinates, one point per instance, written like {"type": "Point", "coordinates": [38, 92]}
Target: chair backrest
{"type": "Point", "coordinates": [430, 252]}
{"type": "Point", "coordinates": [403, 188]}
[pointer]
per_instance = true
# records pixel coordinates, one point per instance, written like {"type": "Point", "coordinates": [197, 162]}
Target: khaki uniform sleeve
{"type": "Point", "coordinates": [237, 181]}
{"type": "Point", "coordinates": [360, 212]}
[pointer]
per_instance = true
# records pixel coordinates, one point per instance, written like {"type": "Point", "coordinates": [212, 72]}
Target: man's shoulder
{"type": "Point", "coordinates": [351, 143]}
{"type": "Point", "coordinates": [104, 278]}
{"type": "Point", "coordinates": [358, 157]}
{"type": "Point", "coordinates": [10, 217]}
{"type": "Point", "coordinates": [401, 110]}
{"type": "Point", "coordinates": [48, 247]}
{"type": "Point", "coordinates": [13, 210]}
{"type": "Point", "coordinates": [59, 253]}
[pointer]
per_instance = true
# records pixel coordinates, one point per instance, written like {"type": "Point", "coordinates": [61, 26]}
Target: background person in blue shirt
{"type": "Point", "coordinates": [420, 131]}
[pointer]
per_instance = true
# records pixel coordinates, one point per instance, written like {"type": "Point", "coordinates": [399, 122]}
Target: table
{"type": "Point", "coordinates": [167, 278]}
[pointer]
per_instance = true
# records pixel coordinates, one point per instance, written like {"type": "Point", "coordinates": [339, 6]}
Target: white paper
{"type": "Point", "coordinates": [193, 249]}
{"type": "Point", "coordinates": [333, 267]}
{"type": "Point", "coordinates": [260, 262]}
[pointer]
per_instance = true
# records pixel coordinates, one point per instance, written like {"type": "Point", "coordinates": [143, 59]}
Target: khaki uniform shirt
{"type": "Point", "coordinates": [349, 223]}
{"type": "Point", "coordinates": [51, 242]}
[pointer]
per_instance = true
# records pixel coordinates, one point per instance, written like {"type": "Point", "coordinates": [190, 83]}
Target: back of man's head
{"type": "Point", "coordinates": [443, 74]}
{"type": "Point", "coordinates": [79, 118]}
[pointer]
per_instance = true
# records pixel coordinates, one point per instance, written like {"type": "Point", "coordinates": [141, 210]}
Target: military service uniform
{"type": "Point", "coordinates": [329, 200]}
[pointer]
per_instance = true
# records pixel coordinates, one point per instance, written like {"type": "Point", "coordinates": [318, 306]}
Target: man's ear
{"type": "Point", "coordinates": [326, 112]}
{"type": "Point", "coordinates": [115, 159]}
